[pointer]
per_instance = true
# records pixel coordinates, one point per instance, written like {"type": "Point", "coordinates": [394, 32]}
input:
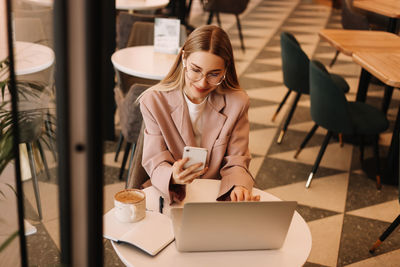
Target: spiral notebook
{"type": "Point", "coordinates": [151, 234]}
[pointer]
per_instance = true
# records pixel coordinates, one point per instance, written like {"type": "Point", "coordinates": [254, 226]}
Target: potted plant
{"type": "Point", "coordinates": [31, 112]}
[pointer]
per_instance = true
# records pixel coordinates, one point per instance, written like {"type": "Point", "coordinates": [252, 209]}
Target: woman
{"type": "Point", "coordinates": [199, 103]}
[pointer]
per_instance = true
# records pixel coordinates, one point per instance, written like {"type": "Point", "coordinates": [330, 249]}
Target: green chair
{"type": "Point", "coordinates": [296, 77]}
{"type": "Point", "coordinates": [331, 110]}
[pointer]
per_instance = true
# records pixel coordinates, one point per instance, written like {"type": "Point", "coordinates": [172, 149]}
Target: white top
{"type": "Point", "coordinates": [195, 113]}
{"type": "Point", "coordinates": [143, 62]}
{"type": "Point", "coordinates": [293, 253]}
{"type": "Point", "coordinates": [140, 4]}
{"type": "Point", "coordinates": [30, 57]}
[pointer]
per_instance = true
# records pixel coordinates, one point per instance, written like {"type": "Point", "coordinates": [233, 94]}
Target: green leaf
{"type": "Point", "coordinates": [8, 240]}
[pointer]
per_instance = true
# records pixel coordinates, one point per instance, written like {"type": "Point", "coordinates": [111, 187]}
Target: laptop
{"type": "Point", "coordinates": [223, 226]}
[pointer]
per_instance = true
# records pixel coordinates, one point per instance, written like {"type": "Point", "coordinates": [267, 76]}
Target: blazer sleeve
{"type": "Point", "coordinates": [235, 166]}
{"type": "Point", "coordinates": [157, 160]}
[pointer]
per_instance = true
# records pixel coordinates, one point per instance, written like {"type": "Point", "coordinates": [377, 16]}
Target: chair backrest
{"type": "Point", "coordinates": [226, 6]}
{"type": "Point", "coordinates": [45, 15]}
{"type": "Point", "coordinates": [352, 19]}
{"type": "Point", "coordinates": [329, 107]}
{"type": "Point", "coordinates": [138, 175]}
{"type": "Point", "coordinates": [294, 64]}
{"type": "Point", "coordinates": [129, 112]}
{"type": "Point", "coordinates": [125, 23]}
{"type": "Point", "coordinates": [142, 33]}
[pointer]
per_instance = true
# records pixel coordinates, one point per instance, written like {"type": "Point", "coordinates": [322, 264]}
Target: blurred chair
{"type": "Point", "coordinates": [30, 133]}
{"type": "Point", "coordinates": [130, 121]}
{"type": "Point", "coordinates": [226, 6]}
{"type": "Point", "coordinates": [331, 110]}
{"type": "Point", "coordinates": [125, 21]}
{"type": "Point", "coordinates": [295, 68]}
{"type": "Point", "coordinates": [45, 15]}
{"type": "Point", "coordinates": [138, 177]}
{"type": "Point", "coordinates": [142, 33]}
{"type": "Point", "coordinates": [356, 19]}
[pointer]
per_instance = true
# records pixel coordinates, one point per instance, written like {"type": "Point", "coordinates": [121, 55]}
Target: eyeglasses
{"type": "Point", "coordinates": [196, 75]}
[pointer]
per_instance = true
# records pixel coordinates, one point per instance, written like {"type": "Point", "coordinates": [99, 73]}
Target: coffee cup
{"type": "Point", "coordinates": [130, 205]}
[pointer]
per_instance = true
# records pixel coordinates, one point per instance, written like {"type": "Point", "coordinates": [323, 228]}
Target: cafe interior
{"type": "Point", "coordinates": [322, 77]}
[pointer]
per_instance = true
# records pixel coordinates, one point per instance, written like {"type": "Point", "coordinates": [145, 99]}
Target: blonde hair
{"type": "Point", "coordinates": [208, 38]}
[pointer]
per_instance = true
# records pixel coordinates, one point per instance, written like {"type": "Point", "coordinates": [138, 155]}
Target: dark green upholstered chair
{"type": "Point", "coordinates": [296, 77]}
{"type": "Point", "coordinates": [331, 110]}
{"type": "Point", "coordinates": [236, 8]}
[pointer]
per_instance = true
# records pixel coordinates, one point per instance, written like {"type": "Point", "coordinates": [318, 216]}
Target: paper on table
{"type": "Point", "coordinates": [151, 234]}
{"type": "Point", "coordinates": [166, 35]}
{"type": "Point", "coordinates": [29, 228]}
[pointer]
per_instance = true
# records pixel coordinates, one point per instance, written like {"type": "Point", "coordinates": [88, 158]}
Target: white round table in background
{"type": "Point", "coordinates": [43, 3]}
{"type": "Point", "coordinates": [140, 4]}
{"type": "Point", "coordinates": [30, 57]}
{"type": "Point", "coordinates": [119, 4]}
{"type": "Point", "coordinates": [143, 62]}
{"type": "Point", "coordinates": [294, 252]}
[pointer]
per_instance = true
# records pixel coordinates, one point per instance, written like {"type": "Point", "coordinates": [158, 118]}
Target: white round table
{"type": "Point", "coordinates": [29, 57]}
{"type": "Point", "coordinates": [44, 3]}
{"type": "Point", "coordinates": [143, 62]}
{"type": "Point", "coordinates": [140, 4]}
{"type": "Point", "coordinates": [294, 252]}
{"type": "Point", "coordinates": [119, 4]}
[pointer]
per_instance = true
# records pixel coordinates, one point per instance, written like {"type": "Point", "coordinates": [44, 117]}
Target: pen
{"type": "Point", "coordinates": [161, 204]}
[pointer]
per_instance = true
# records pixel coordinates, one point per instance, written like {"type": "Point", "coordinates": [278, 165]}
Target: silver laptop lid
{"type": "Point", "coordinates": [217, 226]}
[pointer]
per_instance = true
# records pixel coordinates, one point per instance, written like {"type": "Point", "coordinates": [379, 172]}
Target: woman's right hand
{"type": "Point", "coordinates": [185, 176]}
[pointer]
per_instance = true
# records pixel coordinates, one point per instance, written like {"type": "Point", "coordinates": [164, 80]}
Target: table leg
{"type": "Point", "coordinates": [392, 25]}
{"type": "Point", "coordinates": [363, 83]}
{"type": "Point", "coordinates": [392, 172]}
{"type": "Point", "coordinates": [386, 98]}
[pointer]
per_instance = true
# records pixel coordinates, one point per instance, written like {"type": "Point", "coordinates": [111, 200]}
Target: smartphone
{"type": "Point", "coordinates": [195, 155]}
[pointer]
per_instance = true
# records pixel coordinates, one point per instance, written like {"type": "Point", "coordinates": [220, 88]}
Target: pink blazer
{"type": "Point", "coordinates": [225, 135]}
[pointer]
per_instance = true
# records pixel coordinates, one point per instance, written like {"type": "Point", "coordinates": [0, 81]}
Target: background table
{"type": "Point", "coordinates": [350, 41]}
{"type": "Point", "coordinates": [294, 252]}
{"type": "Point", "coordinates": [119, 4]}
{"type": "Point", "coordinates": [29, 57]}
{"type": "Point", "coordinates": [388, 8]}
{"type": "Point", "coordinates": [140, 4]}
{"type": "Point", "coordinates": [143, 62]}
{"type": "Point", "coordinates": [385, 66]}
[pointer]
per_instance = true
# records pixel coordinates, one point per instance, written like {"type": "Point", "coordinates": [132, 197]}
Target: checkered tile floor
{"type": "Point", "coordinates": [342, 207]}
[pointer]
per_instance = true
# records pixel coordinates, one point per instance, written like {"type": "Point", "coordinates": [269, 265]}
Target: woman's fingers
{"type": "Point", "coordinates": [233, 196]}
{"type": "Point", "coordinates": [190, 177]}
{"type": "Point", "coordinates": [185, 176]}
{"type": "Point", "coordinates": [240, 193]}
{"type": "Point", "coordinates": [247, 195]}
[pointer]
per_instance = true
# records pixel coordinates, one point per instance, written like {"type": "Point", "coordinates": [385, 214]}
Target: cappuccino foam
{"type": "Point", "coordinates": [129, 197]}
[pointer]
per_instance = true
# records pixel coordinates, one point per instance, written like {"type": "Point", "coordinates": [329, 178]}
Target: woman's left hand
{"type": "Point", "coordinates": [240, 193]}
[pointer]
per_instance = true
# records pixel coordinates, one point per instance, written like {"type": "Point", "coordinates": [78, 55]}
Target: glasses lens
{"type": "Point", "coordinates": [194, 75]}
{"type": "Point", "coordinates": [212, 78]}
{"type": "Point", "coordinates": [215, 79]}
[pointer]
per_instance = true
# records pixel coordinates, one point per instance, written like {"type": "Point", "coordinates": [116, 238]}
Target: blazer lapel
{"type": "Point", "coordinates": [181, 118]}
{"type": "Point", "coordinates": [213, 121]}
